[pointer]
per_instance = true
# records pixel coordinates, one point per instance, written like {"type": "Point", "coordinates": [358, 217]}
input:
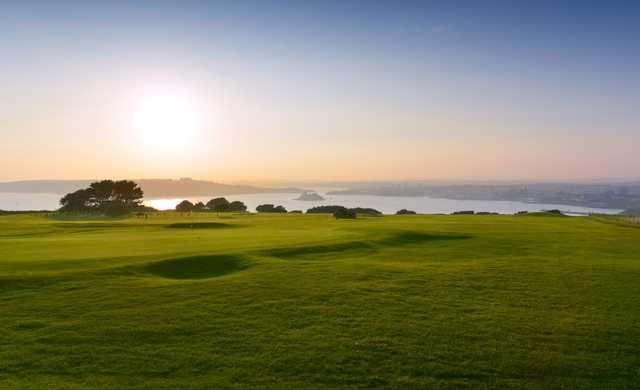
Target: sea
{"type": "Point", "coordinates": [385, 204]}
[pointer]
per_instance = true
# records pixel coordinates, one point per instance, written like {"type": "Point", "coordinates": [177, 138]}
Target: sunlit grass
{"type": "Point", "coordinates": [292, 301]}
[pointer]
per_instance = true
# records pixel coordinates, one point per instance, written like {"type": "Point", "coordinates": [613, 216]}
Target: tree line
{"type": "Point", "coordinates": [123, 196]}
{"type": "Point", "coordinates": [216, 204]}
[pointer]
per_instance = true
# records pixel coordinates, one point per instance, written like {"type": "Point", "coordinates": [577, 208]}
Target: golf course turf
{"type": "Point", "coordinates": [307, 301]}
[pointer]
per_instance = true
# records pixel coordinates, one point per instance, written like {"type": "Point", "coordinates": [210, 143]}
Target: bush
{"type": "Point", "coordinates": [295, 212]}
{"type": "Point", "coordinates": [405, 212]}
{"type": "Point", "coordinates": [345, 213]}
{"type": "Point", "coordinates": [365, 211]}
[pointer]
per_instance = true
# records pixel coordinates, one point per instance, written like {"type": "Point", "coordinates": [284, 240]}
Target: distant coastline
{"type": "Point", "coordinates": [609, 196]}
{"type": "Point", "coordinates": [153, 188]}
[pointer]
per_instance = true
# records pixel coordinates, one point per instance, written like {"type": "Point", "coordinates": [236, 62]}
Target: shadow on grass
{"type": "Point", "coordinates": [96, 225]}
{"type": "Point", "coordinates": [85, 217]}
{"type": "Point", "coordinates": [198, 267]}
{"type": "Point", "coordinates": [294, 252]}
{"type": "Point", "coordinates": [412, 237]}
{"type": "Point", "coordinates": [359, 247]}
{"type": "Point", "coordinates": [201, 225]}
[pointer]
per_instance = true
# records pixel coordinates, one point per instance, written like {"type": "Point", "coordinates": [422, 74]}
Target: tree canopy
{"type": "Point", "coordinates": [237, 206]}
{"type": "Point", "coordinates": [218, 204]}
{"type": "Point", "coordinates": [345, 213]}
{"type": "Point", "coordinates": [269, 208]}
{"type": "Point", "coordinates": [184, 206]}
{"type": "Point", "coordinates": [106, 196]}
{"type": "Point", "coordinates": [334, 209]}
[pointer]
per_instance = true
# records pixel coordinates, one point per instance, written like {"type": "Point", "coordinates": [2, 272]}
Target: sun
{"type": "Point", "coordinates": [166, 121]}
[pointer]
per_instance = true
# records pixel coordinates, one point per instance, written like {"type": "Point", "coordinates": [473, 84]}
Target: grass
{"type": "Point", "coordinates": [306, 301]}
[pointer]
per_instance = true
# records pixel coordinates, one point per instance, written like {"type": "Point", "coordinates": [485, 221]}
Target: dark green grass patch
{"type": "Point", "coordinates": [295, 252]}
{"type": "Point", "coordinates": [416, 237]}
{"type": "Point", "coordinates": [201, 225]}
{"type": "Point", "coordinates": [198, 267]}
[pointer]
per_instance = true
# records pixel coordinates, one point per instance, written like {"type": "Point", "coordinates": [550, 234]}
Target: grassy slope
{"type": "Point", "coordinates": [304, 300]}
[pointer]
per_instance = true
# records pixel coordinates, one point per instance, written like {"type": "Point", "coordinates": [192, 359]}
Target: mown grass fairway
{"type": "Point", "coordinates": [306, 301]}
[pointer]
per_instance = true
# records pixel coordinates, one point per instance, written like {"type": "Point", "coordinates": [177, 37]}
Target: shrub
{"type": "Point", "coordinates": [365, 210]}
{"type": "Point", "coordinates": [405, 212]}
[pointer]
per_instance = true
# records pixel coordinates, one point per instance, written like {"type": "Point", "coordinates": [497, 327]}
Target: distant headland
{"type": "Point", "coordinates": [309, 196]}
{"type": "Point", "coordinates": [152, 187]}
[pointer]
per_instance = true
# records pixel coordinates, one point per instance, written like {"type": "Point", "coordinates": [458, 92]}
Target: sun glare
{"type": "Point", "coordinates": [167, 122]}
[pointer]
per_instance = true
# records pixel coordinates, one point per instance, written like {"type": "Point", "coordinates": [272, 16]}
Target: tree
{"type": "Point", "coordinates": [405, 212]}
{"type": "Point", "coordinates": [345, 214]}
{"type": "Point", "coordinates": [218, 204]}
{"type": "Point", "coordinates": [237, 206]}
{"type": "Point", "coordinates": [103, 191]}
{"type": "Point", "coordinates": [128, 193]}
{"type": "Point", "coordinates": [105, 196]}
{"type": "Point", "coordinates": [269, 208]}
{"type": "Point", "coordinates": [184, 206]}
{"type": "Point", "coordinates": [199, 206]}
{"type": "Point", "coordinates": [265, 208]}
{"type": "Point", "coordinates": [80, 200]}
{"type": "Point", "coordinates": [334, 209]}
{"type": "Point", "coordinates": [325, 209]}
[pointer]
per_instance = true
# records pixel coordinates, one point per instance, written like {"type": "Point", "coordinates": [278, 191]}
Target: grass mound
{"type": "Point", "coordinates": [198, 267]}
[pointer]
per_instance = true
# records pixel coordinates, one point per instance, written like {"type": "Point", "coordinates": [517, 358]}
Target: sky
{"type": "Point", "coordinates": [319, 90]}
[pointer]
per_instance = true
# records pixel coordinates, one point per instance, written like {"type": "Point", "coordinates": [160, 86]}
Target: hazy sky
{"type": "Point", "coordinates": [319, 90]}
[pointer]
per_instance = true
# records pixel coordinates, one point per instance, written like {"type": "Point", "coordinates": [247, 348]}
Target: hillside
{"type": "Point", "coordinates": [151, 187]}
{"type": "Point", "coordinates": [307, 301]}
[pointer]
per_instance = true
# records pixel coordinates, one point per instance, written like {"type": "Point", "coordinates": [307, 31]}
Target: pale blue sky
{"type": "Point", "coordinates": [323, 90]}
